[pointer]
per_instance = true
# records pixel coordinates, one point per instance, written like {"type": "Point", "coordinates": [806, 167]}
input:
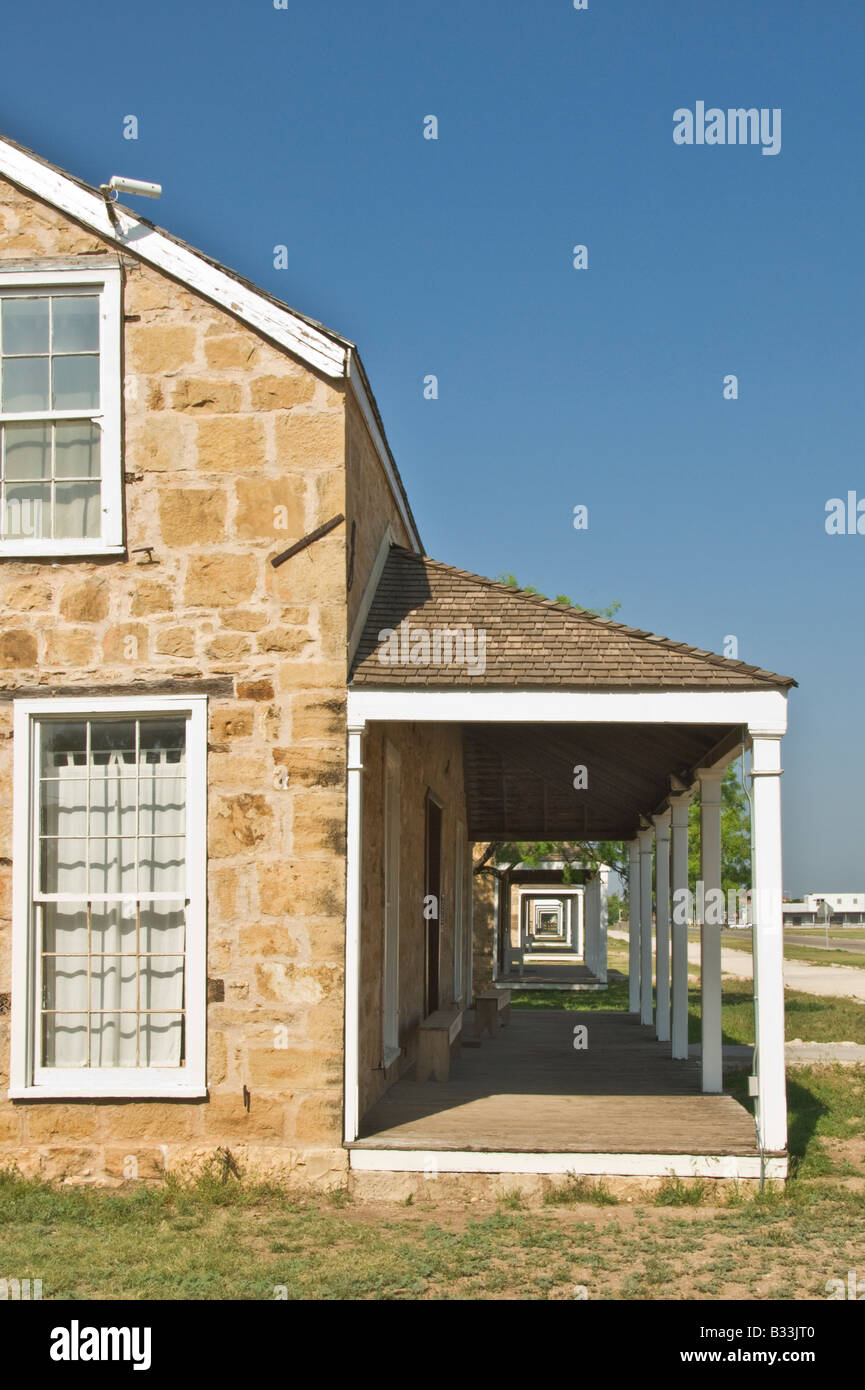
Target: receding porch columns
{"type": "Point", "coordinates": [646, 1000]}
{"type": "Point", "coordinates": [710, 931]}
{"type": "Point", "coordinates": [662, 925]}
{"type": "Point", "coordinates": [768, 943]}
{"type": "Point", "coordinates": [634, 927]}
{"type": "Point", "coordinates": [679, 802]}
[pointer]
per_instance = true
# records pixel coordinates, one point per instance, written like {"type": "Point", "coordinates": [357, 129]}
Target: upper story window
{"type": "Point", "coordinates": [60, 462]}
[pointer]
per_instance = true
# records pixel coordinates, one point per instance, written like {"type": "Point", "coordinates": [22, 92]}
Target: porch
{"type": "Point", "coordinates": [528, 1101]}
{"type": "Point", "coordinates": [572, 728]}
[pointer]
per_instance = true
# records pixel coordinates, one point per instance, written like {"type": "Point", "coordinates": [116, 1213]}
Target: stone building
{"type": "Point", "coordinates": [250, 733]}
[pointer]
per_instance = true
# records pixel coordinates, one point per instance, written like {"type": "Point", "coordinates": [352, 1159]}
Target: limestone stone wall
{"type": "Point", "coordinates": [430, 759]}
{"type": "Point", "coordinates": [484, 925]}
{"type": "Point", "coordinates": [370, 505]}
{"type": "Point", "coordinates": [233, 450]}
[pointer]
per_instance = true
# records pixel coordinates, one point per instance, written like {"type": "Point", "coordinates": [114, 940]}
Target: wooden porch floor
{"type": "Point", "coordinates": [549, 974]}
{"type": "Point", "coordinates": [529, 1091]}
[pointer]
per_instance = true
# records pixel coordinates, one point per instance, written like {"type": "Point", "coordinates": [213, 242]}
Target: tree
{"type": "Point", "coordinates": [735, 833]}
{"type": "Point", "coordinates": [609, 612]}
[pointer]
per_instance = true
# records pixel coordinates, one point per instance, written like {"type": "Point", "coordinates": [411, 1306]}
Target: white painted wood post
{"type": "Point", "coordinates": [662, 925]}
{"type": "Point", "coordinates": [603, 880]}
{"type": "Point", "coordinates": [679, 803]}
{"type": "Point", "coordinates": [634, 927]}
{"type": "Point", "coordinates": [591, 925]}
{"type": "Point", "coordinates": [710, 932]}
{"type": "Point", "coordinates": [646, 998]}
{"type": "Point", "coordinates": [768, 941]}
{"type": "Point", "coordinates": [581, 923]}
{"type": "Point", "coordinates": [353, 889]}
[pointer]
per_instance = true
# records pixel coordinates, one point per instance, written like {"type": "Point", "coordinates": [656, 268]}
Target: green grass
{"type": "Point", "coordinates": [826, 1110]}
{"type": "Point", "coordinates": [814, 1018]}
{"type": "Point", "coordinates": [229, 1241]}
{"type": "Point", "coordinates": [855, 933]}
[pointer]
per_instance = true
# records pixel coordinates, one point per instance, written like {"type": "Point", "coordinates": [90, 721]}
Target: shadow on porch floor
{"type": "Point", "coordinates": [529, 1091]}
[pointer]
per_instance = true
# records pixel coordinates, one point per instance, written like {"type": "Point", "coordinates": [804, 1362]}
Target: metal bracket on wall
{"type": "Point", "coordinates": [307, 540]}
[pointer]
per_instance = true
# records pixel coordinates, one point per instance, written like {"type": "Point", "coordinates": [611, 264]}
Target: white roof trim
{"type": "Point", "coordinates": [764, 711]}
{"type": "Point", "coordinates": [130, 234]}
{"type": "Point", "coordinates": [358, 386]}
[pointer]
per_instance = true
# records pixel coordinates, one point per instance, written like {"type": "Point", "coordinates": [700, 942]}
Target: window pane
{"type": "Point", "coordinates": [64, 807]}
{"type": "Point", "coordinates": [113, 1040]}
{"type": "Point", "coordinates": [163, 742]}
{"type": "Point", "coordinates": [163, 806]}
{"type": "Point", "coordinates": [64, 1040]}
{"type": "Point", "coordinates": [114, 982]}
{"type": "Point", "coordinates": [64, 983]}
{"type": "Point", "coordinates": [63, 745]}
{"type": "Point", "coordinates": [26, 451]}
{"type": "Point", "coordinates": [27, 510]}
{"type": "Point", "coordinates": [113, 805]}
{"type": "Point", "coordinates": [162, 865]}
{"type": "Point", "coordinates": [76, 449]}
{"type": "Point", "coordinates": [112, 928]}
{"type": "Point", "coordinates": [75, 382]}
{"type": "Point", "coordinates": [76, 323]}
{"type": "Point", "coordinates": [162, 927]}
{"type": "Point", "coordinates": [112, 747]}
{"type": "Point", "coordinates": [77, 511]}
{"type": "Point", "coordinates": [25, 325]}
{"type": "Point", "coordinates": [162, 983]}
{"type": "Point", "coordinates": [161, 1040]}
{"type": "Point", "coordinates": [25, 383]}
{"type": "Point", "coordinates": [64, 866]}
{"type": "Point", "coordinates": [64, 928]}
{"type": "Point", "coordinates": [112, 865]}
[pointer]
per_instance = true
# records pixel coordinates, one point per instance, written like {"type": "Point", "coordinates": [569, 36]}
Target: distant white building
{"type": "Point", "coordinates": [845, 910]}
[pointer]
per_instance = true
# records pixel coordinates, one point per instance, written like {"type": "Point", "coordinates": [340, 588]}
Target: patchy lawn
{"type": "Point", "coordinates": [227, 1241]}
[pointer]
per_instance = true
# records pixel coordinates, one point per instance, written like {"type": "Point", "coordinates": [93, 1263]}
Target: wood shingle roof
{"type": "Point", "coordinates": [530, 641]}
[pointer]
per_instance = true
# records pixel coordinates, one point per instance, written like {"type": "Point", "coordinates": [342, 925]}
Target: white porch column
{"type": "Point", "coordinates": [662, 925]}
{"type": "Point", "coordinates": [589, 939]}
{"type": "Point", "coordinates": [603, 879]}
{"type": "Point", "coordinates": [679, 803]}
{"type": "Point", "coordinates": [768, 943]}
{"type": "Point", "coordinates": [353, 889]}
{"type": "Point", "coordinates": [710, 932]}
{"type": "Point", "coordinates": [581, 923]}
{"type": "Point", "coordinates": [646, 1001]}
{"type": "Point", "coordinates": [634, 927]}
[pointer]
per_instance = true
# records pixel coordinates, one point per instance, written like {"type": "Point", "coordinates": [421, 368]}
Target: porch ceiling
{"type": "Point", "coordinates": [519, 778]}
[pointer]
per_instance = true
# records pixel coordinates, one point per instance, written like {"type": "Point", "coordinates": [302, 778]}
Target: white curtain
{"type": "Point", "coordinates": [113, 971]}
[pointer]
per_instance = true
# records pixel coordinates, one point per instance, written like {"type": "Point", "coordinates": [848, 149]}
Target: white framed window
{"type": "Point", "coordinates": [60, 411]}
{"type": "Point", "coordinates": [109, 985]}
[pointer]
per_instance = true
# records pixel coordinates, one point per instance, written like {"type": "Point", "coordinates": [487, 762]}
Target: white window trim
{"type": "Point", "coordinates": [106, 280]}
{"type": "Point", "coordinates": [188, 1081]}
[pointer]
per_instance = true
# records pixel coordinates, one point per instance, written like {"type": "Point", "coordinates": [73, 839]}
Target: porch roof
{"type": "Point", "coordinates": [530, 641]}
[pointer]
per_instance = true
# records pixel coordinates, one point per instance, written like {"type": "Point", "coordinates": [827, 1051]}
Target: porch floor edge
{"type": "Point", "coordinates": [632, 1165]}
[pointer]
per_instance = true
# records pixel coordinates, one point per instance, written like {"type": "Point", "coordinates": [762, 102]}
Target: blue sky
{"type": "Point", "coordinates": [557, 386]}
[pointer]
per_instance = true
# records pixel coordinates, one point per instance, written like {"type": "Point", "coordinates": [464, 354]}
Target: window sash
{"type": "Point", "coordinates": [106, 283]}
{"type": "Point", "coordinates": [28, 1076]}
